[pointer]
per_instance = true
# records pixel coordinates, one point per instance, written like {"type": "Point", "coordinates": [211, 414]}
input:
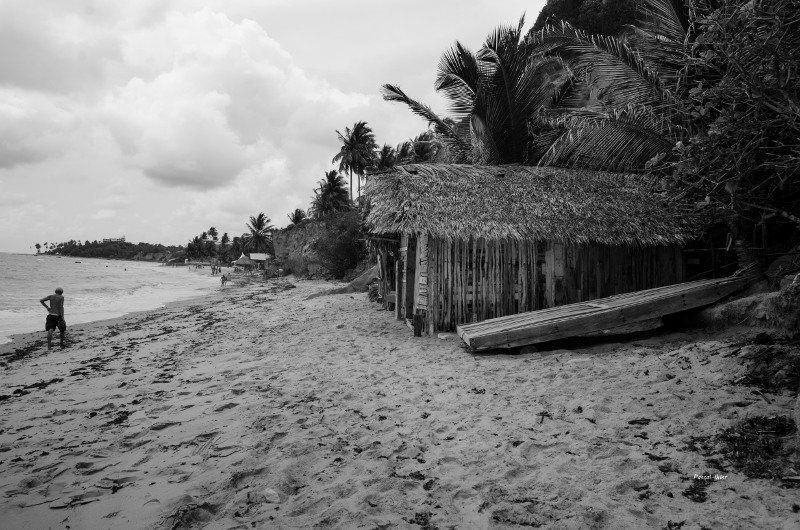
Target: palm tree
{"type": "Point", "coordinates": [385, 158]}
{"type": "Point", "coordinates": [495, 98]}
{"type": "Point", "coordinates": [427, 147]}
{"type": "Point", "coordinates": [617, 112]}
{"type": "Point", "coordinates": [236, 247]}
{"type": "Point", "coordinates": [195, 248]}
{"type": "Point", "coordinates": [260, 237]}
{"type": "Point", "coordinates": [297, 216]}
{"type": "Point", "coordinates": [686, 70]}
{"type": "Point", "coordinates": [223, 247]}
{"type": "Point", "coordinates": [331, 195]}
{"type": "Point", "coordinates": [357, 152]}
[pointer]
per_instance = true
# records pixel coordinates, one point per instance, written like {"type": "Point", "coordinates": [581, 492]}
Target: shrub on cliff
{"type": "Point", "coordinates": [339, 245]}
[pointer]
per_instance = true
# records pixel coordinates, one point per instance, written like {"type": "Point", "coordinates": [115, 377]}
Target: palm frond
{"type": "Point", "coordinates": [458, 78]}
{"type": "Point", "coordinates": [668, 19]}
{"type": "Point", "coordinates": [458, 146]}
{"type": "Point", "coordinates": [485, 150]}
{"type": "Point", "coordinates": [623, 139]}
{"type": "Point", "coordinates": [616, 69]}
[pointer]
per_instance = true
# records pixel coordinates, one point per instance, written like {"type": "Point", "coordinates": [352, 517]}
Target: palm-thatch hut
{"type": "Point", "coordinates": [460, 243]}
{"type": "Point", "coordinates": [244, 262]}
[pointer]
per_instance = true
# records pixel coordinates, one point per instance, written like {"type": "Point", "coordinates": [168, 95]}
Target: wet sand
{"type": "Point", "coordinates": [257, 408]}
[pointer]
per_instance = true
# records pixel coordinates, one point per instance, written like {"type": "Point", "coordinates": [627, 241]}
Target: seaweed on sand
{"type": "Point", "coordinates": [775, 367]}
{"type": "Point", "coordinates": [759, 447]}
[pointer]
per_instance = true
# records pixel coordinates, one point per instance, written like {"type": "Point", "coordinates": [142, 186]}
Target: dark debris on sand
{"type": "Point", "coordinates": [758, 447]}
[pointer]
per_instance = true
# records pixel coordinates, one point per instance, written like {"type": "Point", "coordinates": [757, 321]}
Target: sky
{"type": "Point", "coordinates": [157, 119]}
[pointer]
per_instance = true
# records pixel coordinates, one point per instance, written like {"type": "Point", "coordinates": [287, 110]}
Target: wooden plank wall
{"type": "Point", "coordinates": [598, 271]}
{"type": "Point", "coordinates": [460, 281]}
{"type": "Point", "coordinates": [474, 280]}
{"type": "Point", "coordinates": [401, 278]}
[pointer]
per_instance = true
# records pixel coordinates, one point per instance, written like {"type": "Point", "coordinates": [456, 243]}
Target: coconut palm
{"type": "Point", "coordinates": [385, 158]}
{"type": "Point", "coordinates": [689, 69]}
{"type": "Point", "coordinates": [223, 247]}
{"type": "Point", "coordinates": [297, 216]}
{"type": "Point", "coordinates": [495, 97]}
{"type": "Point", "coordinates": [331, 196]}
{"type": "Point", "coordinates": [357, 152]}
{"type": "Point", "coordinates": [620, 110]}
{"type": "Point", "coordinates": [260, 237]}
{"type": "Point", "coordinates": [426, 147]}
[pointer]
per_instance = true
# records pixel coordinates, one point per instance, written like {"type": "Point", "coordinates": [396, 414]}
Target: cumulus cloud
{"type": "Point", "coordinates": [52, 53]}
{"type": "Point", "coordinates": [177, 115]}
{"type": "Point", "coordinates": [220, 99]}
{"type": "Point", "coordinates": [33, 127]}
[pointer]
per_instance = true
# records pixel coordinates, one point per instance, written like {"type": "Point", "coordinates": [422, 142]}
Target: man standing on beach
{"type": "Point", "coordinates": [55, 316]}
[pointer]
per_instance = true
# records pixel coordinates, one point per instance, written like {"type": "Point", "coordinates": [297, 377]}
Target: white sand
{"type": "Point", "coordinates": [257, 408]}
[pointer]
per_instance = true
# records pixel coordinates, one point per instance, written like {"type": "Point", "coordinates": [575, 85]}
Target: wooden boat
{"type": "Point", "coordinates": [587, 318]}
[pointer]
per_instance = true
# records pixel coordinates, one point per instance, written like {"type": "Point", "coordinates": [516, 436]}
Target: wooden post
{"type": "Point", "coordinates": [410, 278]}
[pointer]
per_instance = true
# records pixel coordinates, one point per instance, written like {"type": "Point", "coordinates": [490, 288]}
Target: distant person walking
{"type": "Point", "coordinates": [223, 280]}
{"type": "Point", "coordinates": [55, 316]}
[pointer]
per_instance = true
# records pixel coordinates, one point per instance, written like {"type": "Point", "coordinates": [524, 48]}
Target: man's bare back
{"type": "Point", "coordinates": [55, 316]}
{"type": "Point", "coordinates": [56, 304]}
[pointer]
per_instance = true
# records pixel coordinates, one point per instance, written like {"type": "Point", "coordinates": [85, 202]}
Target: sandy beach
{"type": "Point", "coordinates": [256, 407]}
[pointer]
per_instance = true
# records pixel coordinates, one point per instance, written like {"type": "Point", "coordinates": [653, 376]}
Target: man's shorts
{"type": "Point", "coordinates": [53, 322]}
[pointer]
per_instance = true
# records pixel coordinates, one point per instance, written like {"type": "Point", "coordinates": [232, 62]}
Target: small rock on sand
{"type": "Point", "coordinates": [269, 496]}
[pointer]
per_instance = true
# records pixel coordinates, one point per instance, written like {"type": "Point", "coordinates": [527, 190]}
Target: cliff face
{"type": "Point", "coordinates": [294, 248]}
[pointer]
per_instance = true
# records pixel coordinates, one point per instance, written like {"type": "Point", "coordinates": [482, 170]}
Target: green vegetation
{"type": "Point", "coordinates": [700, 98]}
{"type": "Point", "coordinates": [339, 246]}
{"type": "Point", "coordinates": [357, 152]}
{"type": "Point", "coordinates": [110, 250]}
{"type": "Point", "coordinates": [599, 17]}
{"type": "Point", "coordinates": [331, 196]}
{"type": "Point", "coordinates": [260, 237]}
{"type": "Point", "coordinates": [297, 216]}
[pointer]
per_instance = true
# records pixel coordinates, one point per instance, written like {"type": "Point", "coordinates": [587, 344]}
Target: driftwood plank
{"type": "Point", "coordinates": [591, 317]}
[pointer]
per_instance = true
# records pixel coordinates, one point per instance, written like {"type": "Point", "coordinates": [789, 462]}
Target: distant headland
{"type": "Point", "coordinates": [114, 248]}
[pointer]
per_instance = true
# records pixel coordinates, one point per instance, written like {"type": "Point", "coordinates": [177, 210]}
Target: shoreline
{"type": "Point", "coordinates": [260, 407]}
{"type": "Point", "coordinates": [5, 340]}
{"type": "Point", "coordinates": [32, 336]}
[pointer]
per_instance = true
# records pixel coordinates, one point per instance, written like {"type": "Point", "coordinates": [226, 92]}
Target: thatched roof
{"type": "Point", "coordinates": [522, 203]}
{"type": "Point", "coordinates": [244, 261]}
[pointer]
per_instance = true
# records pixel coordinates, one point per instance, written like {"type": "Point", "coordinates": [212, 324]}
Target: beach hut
{"type": "Point", "coordinates": [244, 262]}
{"type": "Point", "coordinates": [260, 259]}
{"type": "Point", "coordinates": [459, 243]}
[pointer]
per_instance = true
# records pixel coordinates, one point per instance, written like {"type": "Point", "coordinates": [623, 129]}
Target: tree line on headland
{"type": "Point", "coordinates": [699, 97]}
{"type": "Point", "coordinates": [107, 249]}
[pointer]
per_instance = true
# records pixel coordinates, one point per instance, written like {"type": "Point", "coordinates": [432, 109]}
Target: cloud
{"type": "Point", "coordinates": [104, 214]}
{"type": "Point", "coordinates": [51, 51]}
{"type": "Point", "coordinates": [33, 127]}
{"type": "Point", "coordinates": [227, 98]}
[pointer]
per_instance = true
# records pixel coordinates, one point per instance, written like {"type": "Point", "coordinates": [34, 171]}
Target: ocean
{"type": "Point", "coordinates": [94, 289]}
